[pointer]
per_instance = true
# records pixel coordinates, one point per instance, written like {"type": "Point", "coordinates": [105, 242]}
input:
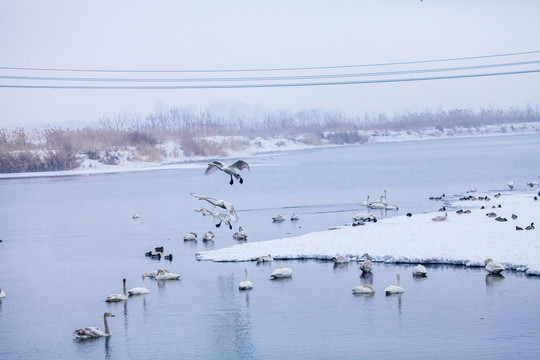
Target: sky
{"type": "Point", "coordinates": [247, 35]}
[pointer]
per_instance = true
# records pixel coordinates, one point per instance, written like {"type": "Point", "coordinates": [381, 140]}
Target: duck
{"type": "Point", "coordinates": [514, 217]}
{"type": "Point", "coordinates": [282, 272]}
{"type": "Point", "coordinates": [245, 285]}
{"type": "Point", "coordinates": [2, 294]}
{"type": "Point", "coordinates": [442, 209]}
{"type": "Point", "coordinates": [511, 184]}
{"type": "Point", "coordinates": [491, 214]}
{"type": "Point", "coordinates": [341, 259]}
{"type": "Point", "coordinates": [501, 219]}
{"type": "Point", "coordinates": [140, 290]}
{"type": "Point", "coordinates": [265, 258]}
{"type": "Point", "coordinates": [159, 249]}
{"type": "Point", "coordinates": [395, 289]}
{"type": "Point", "coordinates": [440, 217]}
{"type": "Point", "coordinates": [169, 257]}
{"type": "Point", "coordinates": [437, 197]}
{"type": "Point", "coordinates": [156, 256]}
{"type": "Point", "coordinates": [530, 227]}
{"type": "Point", "coordinates": [231, 170]}
{"type": "Point", "coordinates": [493, 267]}
{"type": "Point", "coordinates": [409, 214]}
{"type": "Point", "coordinates": [295, 217]}
{"type": "Point", "coordinates": [366, 289]}
{"type": "Point", "coordinates": [94, 332]}
{"type": "Point", "coordinates": [118, 297]}
{"type": "Point", "coordinates": [219, 203]}
{"type": "Point", "coordinates": [148, 253]}
{"type": "Point", "coordinates": [223, 218]}
{"type": "Point", "coordinates": [135, 216]}
{"type": "Point", "coordinates": [240, 235]}
{"type": "Point", "coordinates": [162, 275]}
{"type": "Point", "coordinates": [419, 271]}
{"type": "Point", "coordinates": [208, 236]}
{"type": "Point", "coordinates": [519, 228]}
{"type": "Point", "coordinates": [460, 211]}
{"type": "Point", "coordinates": [367, 265]}
{"type": "Point", "coordinates": [278, 218]}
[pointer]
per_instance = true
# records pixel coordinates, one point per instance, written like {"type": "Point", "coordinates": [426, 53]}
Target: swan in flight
{"type": "Point", "coordinates": [265, 258]}
{"type": "Point", "coordinates": [366, 265]}
{"type": "Point", "coordinates": [493, 267]}
{"type": "Point", "coordinates": [219, 203]}
{"type": "Point", "coordinates": [341, 259]}
{"type": "Point", "coordinates": [440, 217]}
{"type": "Point", "coordinates": [94, 332]}
{"type": "Point", "coordinates": [118, 297]}
{"type": "Point", "coordinates": [162, 275]}
{"type": "Point", "coordinates": [511, 184]}
{"type": "Point", "coordinates": [208, 236]}
{"type": "Point", "coordinates": [393, 289]}
{"type": "Point", "coordinates": [366, 289]}
{"type": "Point", "coordinates": [278, 218]}
{"type": "Point", "coordinates": [240, 235]}
{"type": "Point", "coordinates": [190, 236]}
{"type": "Point", "coordinates": [140, 290]}
{"type": "Point", "coordinates": [223, 218]}
{"type": "Point", "coordinates": [282, 272]}
{"type": "Point", "coordinates": [232, 170]}
{"type": "Point", "coordinates": [2, 293]}
{"type": "Point", "coordinates": [419, 271]}
{"type": "Point", "coordinates": [246, 285]}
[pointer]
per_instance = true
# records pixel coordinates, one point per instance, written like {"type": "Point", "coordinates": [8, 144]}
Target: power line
{"type": "Point", "coordinates": [272, 69]}
{"type": "Point", "coordinates": [266, 78]}
{"type": "Point", "coordinates": [239, 86]}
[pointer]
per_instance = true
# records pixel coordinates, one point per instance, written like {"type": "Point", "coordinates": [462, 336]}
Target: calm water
{"type": "Point", "coordinates": [69, 241]}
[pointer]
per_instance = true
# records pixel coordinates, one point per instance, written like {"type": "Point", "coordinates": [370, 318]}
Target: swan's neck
{"type": "Point", "coordinates": [125, 292]}
{"type": "Point", "coordinates": [246, 274]}
{"type": "Point", "coordinates": [106, 325]}
{"type": "Point", "coordinates": [144, 282]}
{"type": "Point", "coordinates": [398, 280]}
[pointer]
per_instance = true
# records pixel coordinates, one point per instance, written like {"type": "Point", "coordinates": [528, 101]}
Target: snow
{"type": "Point", "coordinates": [463, 239]}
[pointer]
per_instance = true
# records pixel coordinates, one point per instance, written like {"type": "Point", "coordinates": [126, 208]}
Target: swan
{"type": "Point", "coordinates": [240, 235]}
{"type": "Point", "coordinates": [223, 218]}
{"type": "Point", "coordinates": [341, 259]}
{"type": "Point", "coordinates": [219, 203]}
{"type": "Point", "coordinates": [265, 258]}
{"type": "Point", "coordinates": [392, 207]}
{"type": "Point", "coordinates": [294, 217]}
{"type": "Point", "coordinates": [366, 203]}
{"type": "Point", "coordinates": [135, 216]}
{"type": "Point", "coordinates": [511, 184]}
{"type": "Point", "coordinates": [393, 289]}
{"type": "Point", "coordinates": [493, 267]}
{"type": "Point", "coordinates": [118, 297]}
{"type": "Point", "coordinates": [94, 332]}
{"type": "Point", "coordinates": [208, 236]}
{"type": "Point", "coordinates": [440, 217]}
{"type": "Point", "coordinates": [140, 290]}
{"type": "Point", "coordinates": [278, 218]}
{"type": "Point", "coordinates": [366, 289]}
{"type": "Point", "coordinates": [246, 285]}
{"type": "Point", "coordinates": [363, 217]}
{"type": "Point", "coordinates": [383, 198]}
{"type": "Point", "coordinates": [162, 275]}
{"type": "Point", "coordinates": [190, 236]}
{"type": "Point", "coordinates": [419, 270]}
{"type": "Point", "coordinates": [282, 272]}
{"type": "Point", "coordinates": [377, 204]}
{"type": "Point", "coordinates": [534, 183]}
{"type": "Point", "coordinates": [366, 265]}
{"type": "Point", "coordinates": [473, 189]}
{"type": "Point", "coordinates": [231, 169]}
{"type": "Point", "coordinates": [2, 293]}
{"type": "Point", "coordinates": [154, 273]}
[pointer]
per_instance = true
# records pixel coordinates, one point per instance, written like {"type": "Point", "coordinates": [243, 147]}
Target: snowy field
{"type": "Point", "coordinates": [462, 239]}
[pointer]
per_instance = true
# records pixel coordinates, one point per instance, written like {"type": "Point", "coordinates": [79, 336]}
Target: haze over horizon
{"type": "Point", "coordinates": [154, 45]}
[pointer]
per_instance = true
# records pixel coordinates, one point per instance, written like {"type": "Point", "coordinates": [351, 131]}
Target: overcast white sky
{"type": "Point", "coordinates": [194, 35]}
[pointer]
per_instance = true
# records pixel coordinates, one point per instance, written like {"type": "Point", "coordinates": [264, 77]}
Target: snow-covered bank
{"type": "Point", "coordinates": [464, 239]}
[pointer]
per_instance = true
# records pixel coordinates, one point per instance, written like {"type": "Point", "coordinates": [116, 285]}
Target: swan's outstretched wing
{"type": "Point", "coordinates": [213, 167]}
{"type": "Point", "coordinates": [232, 214]}
{"type": "Point", "coordinates": [240, 165]}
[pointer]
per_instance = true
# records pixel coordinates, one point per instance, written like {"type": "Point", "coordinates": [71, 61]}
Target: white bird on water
{"type": "Point", "coordinates": [140, 290]}
{"type": "Point", "coordinates": [493, 267]}
{"type": "Point", "coordinates": [282, 272]}
{"type": "Point", "coordinates": [377, 204]}
{"type": "Point", "coordinates": [366, 289]}
{"type": "Point", "coordinates": [208, 236]}
{"type": "Point", "coordinates": [190, 236]}
{"type": "Point", "coordinates": [278, 218]}
{"type": "Point", "coordinates": [419, 271]}
{"type": "Point", "coordinates": [154, 273]}
{"type": "Point", "coordinates": [219, 203]}
{"type": "Point", "coordinates": [166, 275]}
{"type": "Point", "coordinates": [265, 258]}
{"type": "Point", "coordinates": [246, 285]}
{"type": "Point", "coordinates": [92, 331]}
{"type": "Point", "coordinates": [366, 265]}
{"type": "Point", "coordinates": [393, 289]}
{"type": "Point", "coordinates": [240, 235]}
{"type": "Point", "coordinates": [294, 217]}
{"type": "Point", "coordinates": [232, 169]}
{"type": "Point", "coordinates": [341, 259]}
{"type": "Point", "coordinates": [118, 297]}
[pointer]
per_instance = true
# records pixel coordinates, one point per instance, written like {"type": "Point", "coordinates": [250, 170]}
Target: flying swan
{"type": "Point", "coordinates": [223, 218]}
{"type": "Point", "coordinates": [232, 170]}
{"type": "Point", "coordinates": [94, 332]}
{"type": "Point", "coordinates": [219, 203]}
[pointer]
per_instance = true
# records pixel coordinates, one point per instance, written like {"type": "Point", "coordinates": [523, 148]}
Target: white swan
{"type": "Point", "coordinates": [384, 199]}
{"type": "Point", "coordinates": [246, 285]}
{"type": "Point", "coordinates": [208, 236]}
{"type": "Point", "coordinates": [140, 290]}
{"type": "Point", "coordinates": [118, 297]}
{"type": "Point", "coordinates": [419, 270]}
{"type": "Point", "coordinates": [392, 207]}
{"type": "Point", "coordinates": [295, 217]}
{"type": "Point", "coordinates": [473, 189]}
{"type": "Point", "coordinates": [393, 289]}
{"type": "Point", "coordinates": [136, 216]}
{"type": "Point", "coordinates": [162, 275]}
{"type": "Point", "coordinates": [363, 217]}
{"type": "Point", "coordinates": [282, 272]}
{"type": "Point", "coordinates": [493, 267]}
{"type": "Point", "coordinates": [223, 218]}
{"type": "Point", "coordinates": [190, 236]}
{"type": "Point", "coordinates": [366, 203]}
{"type": "Point", "coordinates": [377, 204]}
{"type": "Point", "coordinates": [511, 184]}
{"type": "Point", "coordinates": [94, 332]}
{"type": "Point", "coordinates": [219, 203]}
{"type": "Point", "coordinates": [154, 273]}
{"type": "Point", "coordinates": [2, 293]}
{"type": "Point", "coordinates": [278, 218]}
{"type": "Point", "coordinates": [440, 217]}
{"type": "Point", "coordinates": [240, 235]}
{"type": "Point", "coordinates": [341, 259]}
{"type": "Point", "coordinates": [265, 258]}
{"type": "Point", "coordinates": [534, 183]}
{"type": "Point", "coordinates": [366, 289]}
{"type": "Point", "coordinates": [231, 169]}
{"type": "Point", "coordinates": [366, 265]}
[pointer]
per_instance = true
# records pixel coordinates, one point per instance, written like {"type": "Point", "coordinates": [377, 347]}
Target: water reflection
{"type": "Point", "coordinates": [366, 278]}
{"type": "Point", "coordinates": [494, 279]}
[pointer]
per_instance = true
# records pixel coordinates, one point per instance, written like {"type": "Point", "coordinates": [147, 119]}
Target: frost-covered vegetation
{"type": "Point", "coordinates": [212, 134]}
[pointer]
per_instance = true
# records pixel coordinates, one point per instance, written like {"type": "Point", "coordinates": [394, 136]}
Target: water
{"type": "Point", "coordinates": [69, 241]}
